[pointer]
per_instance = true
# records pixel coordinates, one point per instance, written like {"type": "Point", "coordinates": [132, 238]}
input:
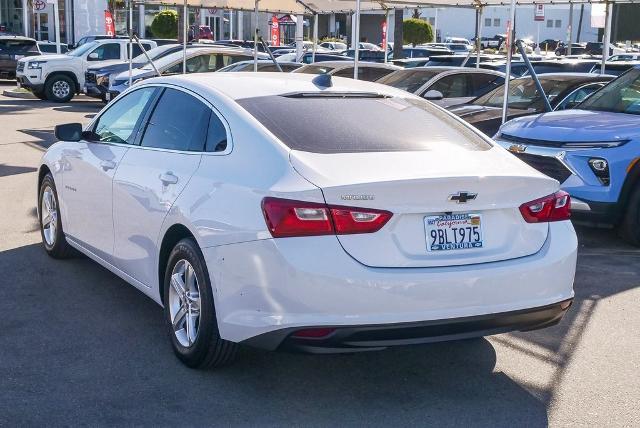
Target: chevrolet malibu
{"type": "Point", "coordinates": [388, 222]}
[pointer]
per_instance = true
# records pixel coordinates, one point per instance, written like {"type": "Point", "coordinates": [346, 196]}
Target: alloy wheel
{"type": "Point", "coordinates": [49, 216]}
{"type": "Point", "coordinates": [184, 303]}
{"type": "Point", "coordinates": [61, 89]}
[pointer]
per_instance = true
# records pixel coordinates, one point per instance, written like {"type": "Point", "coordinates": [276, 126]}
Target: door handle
{"type": "Point", "coordinates": [168, 178]}
{"type": "Point", "coordinates": [107, 165]}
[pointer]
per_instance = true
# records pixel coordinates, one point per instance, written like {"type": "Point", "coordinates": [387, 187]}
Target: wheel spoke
{"type": "Point", "coordinates": [46, 219]}
{"type": "Point", "coordinates": [188, 278]}
{"type": "Point", "coordinates": [178, 285]}
{"type": "Point", "coordinates": [191, 326]}
{"type": "Point", "coordinates": [47, 200]}
{"type": "Point", "coordinates": [179, 318]}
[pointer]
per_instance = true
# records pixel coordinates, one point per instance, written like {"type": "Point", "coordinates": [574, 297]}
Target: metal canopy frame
{"type": "Point", "coordinates": [318, 7]}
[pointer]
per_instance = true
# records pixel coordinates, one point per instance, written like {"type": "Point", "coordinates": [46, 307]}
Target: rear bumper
{"type": "Point", "coordinates": [274, 285]}
{"type": "Point", "coordinates": [372, 337]}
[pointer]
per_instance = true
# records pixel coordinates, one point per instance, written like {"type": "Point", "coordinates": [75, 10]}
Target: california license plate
{"type": "Point", "coordinates": [453, 231]}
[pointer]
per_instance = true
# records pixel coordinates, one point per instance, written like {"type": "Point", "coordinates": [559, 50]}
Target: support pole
{"type": "Point", "coordinates": [570, 29]}
{"type": "Point", "coordinates": [605, 37]}
{"type": "Point", "coordinates": [511, 37]}
{"type": "Point", "coordinates": [534, 76]}
{"type": "Point", "coordinates": [299, 37]}
{"type": "Point", "coordinates": [56, 20]}
{"type": "Point", "coordinates": [130, 31]}
{"type": "Point", "coordinates": [315, 37]}
{"type": "Point", "coordinates": [255, 39]}
{"type": "Point", "coordinates": [185, 35]}
{"type": "Point", "coordinates": [478, 34]}
{"type": "Point", "coordinates": [142, 30]}
{"type": "Point", "coordinates": [386, 35]}
{"type": "Point", "coordinates": [356, 31]}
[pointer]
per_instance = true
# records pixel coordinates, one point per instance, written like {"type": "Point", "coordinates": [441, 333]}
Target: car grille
{"type": "Point", "coordinates": [547, 165]}
{"type": "Point", "coordinates": [89, 77]}
{"type": "Point", "coordinates": [20, 66]}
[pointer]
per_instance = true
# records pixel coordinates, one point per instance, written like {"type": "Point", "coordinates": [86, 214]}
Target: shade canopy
{"type": "Point", "coordinates": [347, 6]}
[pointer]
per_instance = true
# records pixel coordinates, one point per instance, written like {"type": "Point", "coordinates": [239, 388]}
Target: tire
{"type": "Point", "coordinates": [53, 238]}
{"type": "Point", "coordinates": [629, 228]}
{"type": "Point", "coordinates": [40, 95]}
{"type": "Point", "coordinates": [59, 88]}
{"type": "Point", "coordinates": [198, 345]}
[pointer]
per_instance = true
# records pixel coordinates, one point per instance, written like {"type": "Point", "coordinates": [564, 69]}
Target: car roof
{"type": "Point", "coordinates": [7, 36]}
{"type": "Point", "coordinates": [572, 76]}
{"type": "Point", "coordinates": [249, 84]}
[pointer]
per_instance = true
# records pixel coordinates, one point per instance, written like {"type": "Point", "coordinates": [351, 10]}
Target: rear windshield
{"type": "Point", "coordinates": [409, 81]}
{"type": "Point", "coordinates": [354, 124]}
{"type": "Point", "coordinates": [18, 46]}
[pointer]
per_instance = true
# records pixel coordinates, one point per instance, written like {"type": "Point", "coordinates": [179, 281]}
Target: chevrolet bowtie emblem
{"type": "Point", "coordinates": [462, 197]}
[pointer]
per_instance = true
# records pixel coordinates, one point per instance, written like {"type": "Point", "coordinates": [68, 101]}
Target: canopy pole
{"type": "Point", "coordinates": [606, 37]}
{"type": "Point", "coordinates": [185, 35]}
{"type": "Point", "coordinates": [570, 29]}
{"type": "Point", "coordinates": [357, 41]}
{"type": "Point", "coordinates": [510, 37]}
{"type": "Point", "coordinates": [130, 40]}
{"type": "Point", "coordinates": [56, 22]}
{"type": "Point", "coordinates": [255, 39]}
{"type": "Point", "coordinates": [386, 36]}
{"type": "Point", "coordinates": [315, 37]}
{"type": "Point", "coordinates": [478, 34]}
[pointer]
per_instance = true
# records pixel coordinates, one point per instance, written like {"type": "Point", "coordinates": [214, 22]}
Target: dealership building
{"type": "Point", "coordinates": [79, 18]}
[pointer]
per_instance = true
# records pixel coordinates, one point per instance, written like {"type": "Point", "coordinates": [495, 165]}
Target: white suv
{"type": "Point", "coordinates": [59, 77]}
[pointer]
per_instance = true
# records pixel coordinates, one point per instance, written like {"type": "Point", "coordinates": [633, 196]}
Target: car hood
{"type": "Point", "coordinates": [136, 73]}
{"type": "Point", "coordinates": [473, 113]}
{"type": "Point", "coordinates": [50, 58]}
{"type": "Point", "coordinates": [114, 68]}
{"type": "Point", "coordinates": [575, 125]}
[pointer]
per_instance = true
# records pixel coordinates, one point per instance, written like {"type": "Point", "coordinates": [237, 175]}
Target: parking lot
{"type": "Point", "coordinates": [81, 347]}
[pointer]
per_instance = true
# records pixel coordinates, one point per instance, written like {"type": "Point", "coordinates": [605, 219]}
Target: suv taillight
{"type": "Point", "coordinates": [288, 218]}
{"type": "Point", "coordinates": [555, 207]}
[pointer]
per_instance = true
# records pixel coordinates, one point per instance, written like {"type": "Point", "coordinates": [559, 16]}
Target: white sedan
{"type": "Point", "coordinates": [307, 212]}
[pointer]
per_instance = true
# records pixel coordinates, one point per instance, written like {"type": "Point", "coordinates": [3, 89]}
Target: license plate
{"type": "Point", "coordinates": [107, 96]}
{"type": "Point", "coordinates": [453, 231]}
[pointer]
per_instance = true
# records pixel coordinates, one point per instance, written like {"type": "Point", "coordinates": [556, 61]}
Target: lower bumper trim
{"type": "Point", "coordinates": [373, 337]}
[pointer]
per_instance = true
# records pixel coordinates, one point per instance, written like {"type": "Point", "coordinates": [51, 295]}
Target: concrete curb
{"type": "Point", "coordinates": [22, 95]}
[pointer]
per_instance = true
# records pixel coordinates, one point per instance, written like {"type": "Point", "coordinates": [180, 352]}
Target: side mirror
{"type": "Point", "coordinates": [93, 56]}
{"type": "Point", "coordinates": [69, 132]}
{"type": "Point", "coordinates": [433, 95]}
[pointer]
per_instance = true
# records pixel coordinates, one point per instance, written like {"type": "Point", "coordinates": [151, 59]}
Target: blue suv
{"type": "Point", "coordinates": [592, 150]}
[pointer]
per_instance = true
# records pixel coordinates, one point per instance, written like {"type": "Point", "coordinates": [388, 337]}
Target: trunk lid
{"type": "Point", "coordinates": [417, 185]}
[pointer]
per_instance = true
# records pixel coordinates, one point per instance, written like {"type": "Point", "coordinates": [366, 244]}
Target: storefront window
{"type": "Point", "coordinates": [11, 18]}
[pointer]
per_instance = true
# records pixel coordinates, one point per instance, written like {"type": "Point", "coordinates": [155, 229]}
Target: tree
{"type": "Point", "coordinates": [165, 24]}
{"type": "Point", "coordinates": [417, 31]}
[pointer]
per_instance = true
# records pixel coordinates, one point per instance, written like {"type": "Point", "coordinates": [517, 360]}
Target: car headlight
{"type": "Point", "coordinates": [126, 82]}
{"type": "Point", "coordinates": [35, 64]}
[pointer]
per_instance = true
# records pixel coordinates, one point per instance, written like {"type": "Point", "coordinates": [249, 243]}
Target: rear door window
{"type": "Point", "coordinates": [483, 83]}
{"type": "Point", "coordinates": [179, 121]}
{"type": "Point", "coordinates": [352, 123]}
{"type": "Point", "coordinates": [13, 47]}
{"type": "Point", "coordinates": [105, 52]}
{"type": "Point", "coordinates": [454, 86]}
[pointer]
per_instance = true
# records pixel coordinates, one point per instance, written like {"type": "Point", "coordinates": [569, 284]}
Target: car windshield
{"type": "Point", "coordinates": [315, 69]}
{"type": "Point", "coordinates": [82, 49]}
{"type": "Point", "coordinates": [360, 122]}
{"type": "Point", "coordinates": [523, 93]}
{"type": "Point", "coordinates": [17, 46]}
{"type": "Point", "coordinates": [620, 96]}
{"type": "Point", "coordinates": [409, 81]}
{"type": "Point", "coordinates": [153, 54]}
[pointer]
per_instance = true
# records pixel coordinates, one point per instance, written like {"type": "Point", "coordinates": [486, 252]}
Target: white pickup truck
{"type": "Point", "coordinates": [59, 77]}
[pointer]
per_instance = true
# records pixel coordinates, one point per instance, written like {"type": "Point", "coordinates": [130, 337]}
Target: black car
{"type": "Point", "coordinates": [12, 48]}
{"type": "Point", "coordinates": [367, 55]}
{"type": "Point", "coordinates": [421, 52]}
{"type": "Point", "coordinates": [518, 69]}
{"type": "Point", "coordinates": [457, 60]}
{"type": "Point", "coordinates": [97, 78]}
{"type": "Point", "coordinates": [564, 91]}
{"type": "Point", "coordinates": [550, 45]}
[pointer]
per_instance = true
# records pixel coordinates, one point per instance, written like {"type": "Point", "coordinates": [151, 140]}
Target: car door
{"type": "Point", "coordinates": [103, 52]}
{"type": "Point", "coordinates": [458, 86]}
{"type": "Point", "coordinates": [89, 169]}
{"type": "Point", "coordinates": [152, 175]}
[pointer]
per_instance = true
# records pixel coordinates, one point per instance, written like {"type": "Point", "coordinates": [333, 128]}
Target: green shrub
{"type": "Point", "coordinates": [165, 24]}
{"type": "Point", "coordinates": [416, 31]}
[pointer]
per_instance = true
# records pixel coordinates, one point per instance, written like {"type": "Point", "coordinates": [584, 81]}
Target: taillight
{"type": "Point", "coordinates": [288, 218]}
{"type": "Point", "coordinates": [555, 207]}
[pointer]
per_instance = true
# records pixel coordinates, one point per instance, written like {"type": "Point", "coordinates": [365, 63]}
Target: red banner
{"type": "Point", "coordinates": [384, 35]}
{"type": "Point", "coordinates": [275, 31]}
{"type": "Point", "coordinates": [109, 26]}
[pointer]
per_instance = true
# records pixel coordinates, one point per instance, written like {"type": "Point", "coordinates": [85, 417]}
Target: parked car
{"type": "Point", "coordinates": [199, 60]}
{"type": "Point", "coordinates": [592, 151]}
{"type": "Point", "coordinates": [457, 40]}
{"type": "Point", "coordinates": [368, 55]}
{"type": "Point", "coordinates": [457, 60]}
{"type": "Point", "coordinates": [410, 62]}
{"type": "Point", "coordinates": [459, 48]}
{"type": "Point", "coordinates": [93, 38]}
{"type": "Point", "coordinates": [51, 48]}
{"type": "Point", "coordinates": [424, 52]}
{"type": "Point", "coordinates": [59, 77]}
{"type": "Point", "coordinates": [624, 57]}
{"type": "Point", "coordinates": [334, 46]}
{"type": "Point", "coordinates": [445, 85]}
{"type": "Point", "coordinates": [564, 91]}
{"type": "Point", "coordinates": [550, 45]}
{"type": "Point", "coordinates": [97, 78]}
{"type": "Point", "coordinates": [273, 211]}
{"type": "Point", "coordinates": [308, 58]}
{"type": "Point", "coordinates": [518, 69]}
{"type": "Point", "coordinates": [368, 71]}
{"type": "Point", "coordinates": [263, 65]}
{"type": "Point", "coordinates": [615, 68]}
{"type": "Point", "coordinates": [12, 49]}
{"type": "Point", "coordinates": [204, 32]}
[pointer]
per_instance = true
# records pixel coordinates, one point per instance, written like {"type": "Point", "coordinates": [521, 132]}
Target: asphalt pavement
{"type": "Point", "coordinates": [78, 346]}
